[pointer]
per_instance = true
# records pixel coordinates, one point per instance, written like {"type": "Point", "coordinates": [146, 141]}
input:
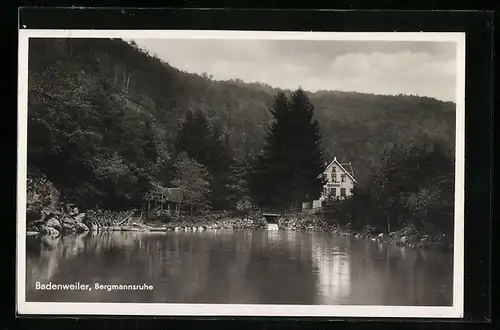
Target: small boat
{"type": "Point", "coordinates": [158, 229]}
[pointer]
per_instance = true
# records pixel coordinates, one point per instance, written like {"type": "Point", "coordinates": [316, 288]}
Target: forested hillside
{"type": "Point", "coordinates": [104, 118]}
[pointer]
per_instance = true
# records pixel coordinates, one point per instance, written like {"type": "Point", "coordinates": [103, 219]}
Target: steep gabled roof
{"type": "Point", "coordinates": [348, 168]}
{"type": "Point", "coordinates": [344, 166]}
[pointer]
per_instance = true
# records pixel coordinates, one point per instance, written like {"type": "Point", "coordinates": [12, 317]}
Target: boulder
{"type": "Point", "coordinates": [81, 228]}
{"type": "Point", "coordinates": [54, 223]}
{"type": "Point", "coordinates": [68, 220]}
{"type": "Point", "coordinates": [80, 217]}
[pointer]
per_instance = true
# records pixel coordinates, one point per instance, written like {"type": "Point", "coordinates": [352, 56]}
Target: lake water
{"type": "Point", "coordinates": [238, 266]}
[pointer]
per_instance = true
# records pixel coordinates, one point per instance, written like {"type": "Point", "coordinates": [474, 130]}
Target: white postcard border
{"type": "Point", "coordinates": [154, 309]}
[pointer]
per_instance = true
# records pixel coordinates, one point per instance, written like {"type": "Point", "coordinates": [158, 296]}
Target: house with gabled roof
{"type": "Point", "coordinates": [161, 198]}
{"type": "Point", "coordinates": [338, 180]}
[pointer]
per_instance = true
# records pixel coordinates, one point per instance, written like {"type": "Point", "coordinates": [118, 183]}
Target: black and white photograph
{"type": "Point", "coordinates": [184, 172]}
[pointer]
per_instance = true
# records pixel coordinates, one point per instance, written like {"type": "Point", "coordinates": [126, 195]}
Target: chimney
{"type": "Point", "coordinates": [334, 159]}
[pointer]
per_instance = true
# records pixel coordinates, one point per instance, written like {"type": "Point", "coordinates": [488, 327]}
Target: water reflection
{"type": "Point", "coordinates": [239, 266]}
{"type": "Point", "coordinates": [333, 262]}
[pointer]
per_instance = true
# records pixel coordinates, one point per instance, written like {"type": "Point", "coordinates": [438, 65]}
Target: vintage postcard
{"type": "Point", "coordinates": [241, 173]}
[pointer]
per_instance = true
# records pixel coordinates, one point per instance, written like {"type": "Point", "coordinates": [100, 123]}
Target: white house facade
{"type": "Point", "coordinates": [339, 180]}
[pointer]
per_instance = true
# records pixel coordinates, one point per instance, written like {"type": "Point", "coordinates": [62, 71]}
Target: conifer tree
{"type": "Point", "coordinates": [286, 171]}
{"type": "Point", "coordinates": [306, 157]}
{"type": "Point", "coordinates": [193, 137]}
{"type": "Point", "coordinates": [271, 175]}
{"type": "Point", "coordinates": [219, 167]}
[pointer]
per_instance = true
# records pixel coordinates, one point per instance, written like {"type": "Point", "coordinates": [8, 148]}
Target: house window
{"type": "Point", "coordinates": [334, 177]}
{"type": "Point", "coordinates": [342, 177]}
{"type": "Point", "coordinates": [342, 192]}
{"type": "Point", "coordinates": [325, 177]}
{"type": "Point", "coordinates": [334, 192]}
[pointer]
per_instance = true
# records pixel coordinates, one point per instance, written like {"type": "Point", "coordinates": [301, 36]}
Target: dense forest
{"type": "Point", "coordinates": [109, 122]}
{"type": "Point", "coordinates": [413, 187]}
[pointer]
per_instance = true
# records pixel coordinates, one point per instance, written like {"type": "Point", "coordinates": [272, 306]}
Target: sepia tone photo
{"type": "Point", "coordinates": [243, 173]}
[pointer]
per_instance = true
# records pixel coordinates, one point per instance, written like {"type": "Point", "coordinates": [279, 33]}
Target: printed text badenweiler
{"type": "Point", "coordinates": [77, 286]}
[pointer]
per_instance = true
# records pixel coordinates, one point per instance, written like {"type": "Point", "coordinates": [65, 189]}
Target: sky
{"type": "Point", "coordinates": [379, 67]}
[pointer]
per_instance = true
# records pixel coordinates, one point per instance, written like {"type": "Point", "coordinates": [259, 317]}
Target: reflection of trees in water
{"type": "Point", "coordinates": [280, 268]}
{"type": "Point", "coordinates": [44, 254]}
{"type": "Point", "coordinates": [226, 258]}
{"type": "Point", "coordinates": [242, 267]}
{"type": "Point", "coordinates": [332, 255]}
{"type": "Point", "coordinates": [434, 272]}
{"type": "Point", "coordinates": [216, 266]}
{"type": "Point", "coordinates": [393, 275]}
{"type": "Point", "coordinates": [86, 258]}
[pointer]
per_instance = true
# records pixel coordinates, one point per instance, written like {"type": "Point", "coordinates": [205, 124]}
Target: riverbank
{"type": "Point", "coordinates": [406, 236]}
{"type": "Point", "coordinates": [69, 220]}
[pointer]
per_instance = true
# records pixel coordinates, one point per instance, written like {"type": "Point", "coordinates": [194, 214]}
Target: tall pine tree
{"type": "Point", "coordinates": [285, 173]}
{"type": "Point", "coordinates": [271, 173]}
{"type": "Point", "coordinates": [306, 158]}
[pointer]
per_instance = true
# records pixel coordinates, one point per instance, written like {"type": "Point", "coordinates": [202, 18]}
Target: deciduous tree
{"type": "Point", "coordinates": [194, 181]}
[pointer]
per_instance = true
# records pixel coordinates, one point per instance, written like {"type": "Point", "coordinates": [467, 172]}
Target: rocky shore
{"type": "Point", "coordinates": [207, 221]}
{"type": "Point", "coordinates": [406, 236]}
{"type": "Point", "coordinates": [69, 221]}
{"type": "Point", "coordinates": [72, 222]}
